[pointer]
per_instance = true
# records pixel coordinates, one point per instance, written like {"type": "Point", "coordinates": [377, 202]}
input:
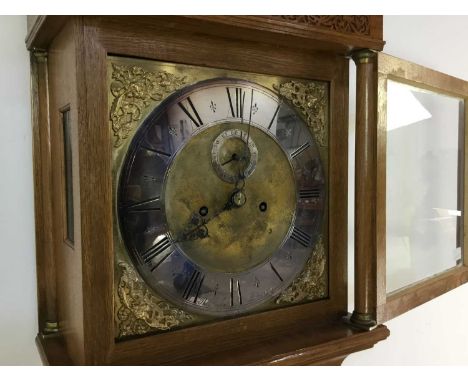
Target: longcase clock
{"type": "Point", "coordinates": [191, 188]}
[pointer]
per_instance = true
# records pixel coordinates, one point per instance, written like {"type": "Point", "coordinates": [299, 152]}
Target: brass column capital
{"type": "Point", "coordinates": [363, 56]}
{"type": "Point", "coordinates": [39, 54]}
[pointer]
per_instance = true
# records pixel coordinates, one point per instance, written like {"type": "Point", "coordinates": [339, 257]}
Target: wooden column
{"type": "Point", "coordinates": [45, 261]}
{"type": "Point", "coordinates": [365, 190]}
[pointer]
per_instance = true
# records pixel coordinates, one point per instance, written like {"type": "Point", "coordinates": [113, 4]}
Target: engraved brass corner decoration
{"type": "Point", "coordinates": [139, 310]}
{"type": "Point", "coordinates": [133, 88]}
{"type": "Point", "coordinates": [311, 99]}
{"type": "Point", "coordinates": [312, 284]}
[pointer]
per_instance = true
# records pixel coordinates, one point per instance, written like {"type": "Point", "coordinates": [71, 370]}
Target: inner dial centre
{"type": "Point", "coordinates": [245, 235]}
{"type": "Point", "coordinates": [234, 155]}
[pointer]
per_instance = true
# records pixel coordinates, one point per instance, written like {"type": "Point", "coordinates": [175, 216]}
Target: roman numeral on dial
{"type": "Point", "coordinates": [309, 194]}
{"type": "Point", "coordinates": [151, 179]}
{"type": "Point", "coordinates": [159, 251]}
{"type": "Point", "coordinates": [160, 260]}
{"type": "Point", "coordinates": [193, 285]}
{"type": "Point", "coordinates": [191, 112]}
{"type": "Point", "coordinates": [236, 97]}
{"type": "Point", "coordinates": [235, 292]}
{"type": "Point", "coordinates": [147, 205]}
{"type": "Point", "coordinates": [300, 149]}
{"type": "Point", "coordinates": [159, 152]}
{"type": "Point", "coordinates": [301, 237]}
{"type": "Point", "coordinates": [276, 272]}
{"type": "Point", "coordinates": [274, 116]}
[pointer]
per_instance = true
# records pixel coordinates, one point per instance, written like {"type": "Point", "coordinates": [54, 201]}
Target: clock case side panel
{"type": "Point", "coordinates": [60, 299]}
{"type": "Point", "coordinates": [82, 280]}
{"type": "Point", "coordinates": [390, 305]}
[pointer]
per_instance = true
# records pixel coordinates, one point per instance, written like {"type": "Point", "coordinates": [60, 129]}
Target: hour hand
{"type": "Point", "coordinates": [197, 229]}
{"type": "Point", "coordinates": [233, 157]}
{"type": "Point", "coordinates": [194, 231]}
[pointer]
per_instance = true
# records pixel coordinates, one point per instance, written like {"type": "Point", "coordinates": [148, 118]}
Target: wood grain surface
{"type": "Point", "coordinates": [365, 212]}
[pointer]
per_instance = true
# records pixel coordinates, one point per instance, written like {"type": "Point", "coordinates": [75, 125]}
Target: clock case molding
{"type": "Point", "coordinates": [69, 65]}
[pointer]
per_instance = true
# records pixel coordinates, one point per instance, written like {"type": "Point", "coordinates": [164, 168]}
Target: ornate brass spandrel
{"type": "Point", "coordinates": [140, 311]}
{"type": "Point", "coordinates": [134, 89]}
{"type": "Point", "coordinates": [311, 99]}
{"type": "Point", "coordinates": [312, 284]}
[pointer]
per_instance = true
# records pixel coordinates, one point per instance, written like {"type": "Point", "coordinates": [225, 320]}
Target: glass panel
{"type": "Point", "coordinates": [424, 183]}
{"type": "Point", "coordinates": [68, 175]}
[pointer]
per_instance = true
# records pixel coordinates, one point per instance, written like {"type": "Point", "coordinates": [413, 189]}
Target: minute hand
{"type": "Point", "coordinates": [246, 147]}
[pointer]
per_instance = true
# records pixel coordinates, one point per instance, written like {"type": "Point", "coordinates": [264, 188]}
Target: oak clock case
{"type": "Point", "coordinates": [220, 193]}
{"type": "Point", "coordinates": [95, 294]}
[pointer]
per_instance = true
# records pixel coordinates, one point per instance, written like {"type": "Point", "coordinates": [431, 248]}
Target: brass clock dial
{"type": "Point", "coordinates": [221, 197]}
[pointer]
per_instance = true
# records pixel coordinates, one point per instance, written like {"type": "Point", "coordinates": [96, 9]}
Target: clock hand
{"type": "Point", "coordinates": [246, 147]}
{"type": "Point", "coordinates": [188, 235]}
{"type": "Point", "coordinates": [200, 231]}
{"type": "Point", "coordinates": [233, 157]}
{"type": "Point", "coordinates": [236, 200]}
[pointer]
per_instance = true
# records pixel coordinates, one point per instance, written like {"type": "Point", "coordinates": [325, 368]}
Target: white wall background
{"type": "Point", "coordinates": [434, 333]}
{"type": "Point", "coordinates": [18, 306]}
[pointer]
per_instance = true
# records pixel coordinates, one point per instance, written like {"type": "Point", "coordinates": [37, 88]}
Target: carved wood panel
{"type": "Point", "coordinates": [342, 24]}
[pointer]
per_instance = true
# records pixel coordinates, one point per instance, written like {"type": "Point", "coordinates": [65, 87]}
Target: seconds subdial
{"type": "Point", "coordinates": [230, 159]}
